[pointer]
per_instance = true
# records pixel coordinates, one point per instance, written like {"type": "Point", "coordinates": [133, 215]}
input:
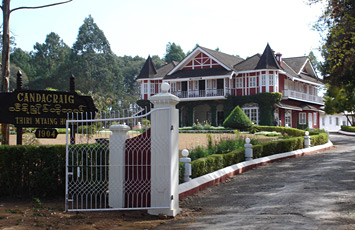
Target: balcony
{"type": "Point", "coordinates": [292, 94]}
{"type": "Point", "coordinates": [200, 94]}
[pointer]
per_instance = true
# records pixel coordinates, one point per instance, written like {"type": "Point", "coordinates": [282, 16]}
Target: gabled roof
{"type": "Point", "coordinates": [226, 59]}
{"type": "Point", "coordinates": [268, 60]}
{"type": "Point", "coordinates": [165, 69]}
{"type": "Point", "coordinates": [294, 66]}
{"type": "Point", "coordinates": [248, 64]}
{"type": "Point", "coordinates": [148, 70]}
{"type": "Point", "coordinates": [295, 63]}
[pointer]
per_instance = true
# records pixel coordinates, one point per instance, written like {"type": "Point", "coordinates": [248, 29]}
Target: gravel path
{"type": "Point", "coordinates": [311, 192]}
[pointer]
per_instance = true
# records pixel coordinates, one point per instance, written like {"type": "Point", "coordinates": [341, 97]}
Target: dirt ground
{"type": "Point", "coordinates": [50, 215]}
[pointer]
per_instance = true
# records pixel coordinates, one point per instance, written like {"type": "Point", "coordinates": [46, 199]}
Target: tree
{"type": "Point", "coordinates": [315, 63]}
{"type": "Point", "coordinates": [5, 73]}
{"type": "Point", "coordinates": [130, 68]}
{"type": "Point", "coordinates": [93, 63]}
{"type": "Point", "coordinates": [47, 59]}
{"type": "Point", "coordinates": [338, 51]}
{"type": "Point", "coordinates": [23, 60]}
{"type": "Point", "coordinates": [174, 53]}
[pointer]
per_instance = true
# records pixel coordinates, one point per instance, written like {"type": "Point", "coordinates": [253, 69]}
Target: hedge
{"type": "Point", "coordinates": [36, 171]}
{"type": "Point", "coordinates": [215, 162]}
{"type": "Point", "coordinates": [32, 171]}
{"type": "Point", "coordinates": [348, 128]}
{"type": "Point", "coordinates": [292, 132]}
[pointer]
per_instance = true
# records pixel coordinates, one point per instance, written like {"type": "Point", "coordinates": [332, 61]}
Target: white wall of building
{"type": "Point", "coordinates": [333, 122]}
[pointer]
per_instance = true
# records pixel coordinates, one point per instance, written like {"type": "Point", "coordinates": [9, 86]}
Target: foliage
{"type": "Point", "coordinates": [348, 128]}
{"type": "Point", "coordinates": [253, 129]}
{"type": "Point", "coordinates": [292, 132]}
{"type": "Point", "coordinates": [32, 171]}
{"type": "Point", "coordinates": [212, 163]}
{"type": "Point", "coordinates": [174, 53]}
{"type": "Point", "coordinates": [265, 102]}
{"type": "Point", "coordinates": [47, 59]}
{"type": "Point", "coordinates": [338, 24]}
{"type": "Point", "coordinates": [237, 119]}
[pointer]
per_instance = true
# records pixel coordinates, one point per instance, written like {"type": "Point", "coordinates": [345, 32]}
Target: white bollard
{"type": "Point", "coordinates": [248, 150]}
{"type": "Point", "coordinates": [186, 160]}
{"type": "Point", "coordinates": [307, 140]}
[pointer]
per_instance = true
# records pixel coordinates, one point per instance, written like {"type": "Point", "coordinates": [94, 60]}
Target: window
{"type": "Point", "coordinates": [323, 121]}
{"type": "Point", "coordinates": [173, 87]}
{"type": "Point", "coordinates": [145, 88]}
{"type": "Point", "coordinates": [214, 84]}
{"type": "Point", "coordinates": [314, 118]}
{"type": "Point", "coordinates": [152, 88]}
{"type": "Point", "coordinates": [302, 118]}
{"type": "Point", "coordinates": [337, 121]}
{"type": "Point", "coordinates": [271, 79]}
{"type": "Point", "coordinates": [178, 86]}
{"type": "Point", "coordinates": [196, 85]}
{"type": "Point", "coordinates": [330, 120]}
{"type": "Point", "coordinates": [252, 113]}
{"type": "Point", "coordinates": [263, 80]}
{"type": "Point", "coordinates": [344, 123]}
{"type": "Point", "coordinates": [209, 84]}
{"type": "Point", "coordinates": [252, 82]}
{"type": "Point", "coordinates": [288, 119]}
{"type": "Point", "coordinates": [239, 82]}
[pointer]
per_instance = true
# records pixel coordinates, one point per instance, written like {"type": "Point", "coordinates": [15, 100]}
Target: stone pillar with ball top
{"type": "Point", "coordinates": [164, 153]}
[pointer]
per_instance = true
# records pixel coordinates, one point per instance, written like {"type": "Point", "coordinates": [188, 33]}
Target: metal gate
{"type": "Point", "coordinates": [108, 163]}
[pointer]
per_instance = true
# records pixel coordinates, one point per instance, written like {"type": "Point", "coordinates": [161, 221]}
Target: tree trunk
{"type": "Point", "coordinates": [5, 62]}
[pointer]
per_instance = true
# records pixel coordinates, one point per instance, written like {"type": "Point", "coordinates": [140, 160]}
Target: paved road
{"type": "Point", "coordinates": [311, 192]}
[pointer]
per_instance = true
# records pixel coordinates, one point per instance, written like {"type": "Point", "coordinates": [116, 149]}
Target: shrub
{"type": "Point", "coordinates": [181, 172]}
{"type": "Point", "coordinates": [319, 139]}
{"type": "Point", "coordinates": [283, 130]}
{"type": "Point", "coordinates": [32, 171]}
{"type": "Point", "coordinates": [237, 119]}
{"type": "Point", "coordinates": [348, 128]}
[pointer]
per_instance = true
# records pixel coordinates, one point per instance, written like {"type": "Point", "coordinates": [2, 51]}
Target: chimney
{"type": "Point", "coordinates": [278, 58]}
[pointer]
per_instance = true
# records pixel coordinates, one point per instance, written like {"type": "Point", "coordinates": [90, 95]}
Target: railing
{"type": "Point", "coordinates": [302, 96]}
{"type": "Point", "coordinates": [199, 93]}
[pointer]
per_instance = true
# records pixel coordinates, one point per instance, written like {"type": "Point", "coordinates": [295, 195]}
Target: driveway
{"type": "Point", "coordinates": [310, 192]}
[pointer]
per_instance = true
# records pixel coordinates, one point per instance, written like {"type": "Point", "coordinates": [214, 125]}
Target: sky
{"type": "Point", "coordinates": [144, 27]}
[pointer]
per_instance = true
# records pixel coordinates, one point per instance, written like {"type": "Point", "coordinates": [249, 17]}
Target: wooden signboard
{"type": "Point", "coordinates": [44, 109]}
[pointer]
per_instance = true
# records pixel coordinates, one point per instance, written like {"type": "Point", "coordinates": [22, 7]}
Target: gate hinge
{"type": "Point", "coordinates": [172, 197]}
{"type": "Point", "coordinates": [172, 127]}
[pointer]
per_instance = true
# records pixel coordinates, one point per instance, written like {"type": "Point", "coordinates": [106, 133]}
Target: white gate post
{"type": "Point", "coordinates": [117, 162]}
{"type": "Point", "coordinates": [165, 153]}
{"type": "Point", "coordinates": [307, 140]}
{"type": "Point", "coordinates": [248, 150]}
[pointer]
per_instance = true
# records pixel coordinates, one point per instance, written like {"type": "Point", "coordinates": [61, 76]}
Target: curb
{"type": "Point", "coordinates": [200, 183]}
{"type": "Point", "coordinates": [346, 133]}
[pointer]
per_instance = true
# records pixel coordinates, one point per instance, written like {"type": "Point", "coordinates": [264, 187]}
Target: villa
{"type": "Point", "coordinates": [271, 90]}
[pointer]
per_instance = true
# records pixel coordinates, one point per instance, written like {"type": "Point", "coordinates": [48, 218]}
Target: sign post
{"type": "Point", "coordinates": [43, 108]}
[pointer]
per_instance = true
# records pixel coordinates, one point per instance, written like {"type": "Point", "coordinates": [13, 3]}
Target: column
{"type": "Point", "coordinates": [117, 164]}
{"type": "Point", "coordinates": [165, 154]}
